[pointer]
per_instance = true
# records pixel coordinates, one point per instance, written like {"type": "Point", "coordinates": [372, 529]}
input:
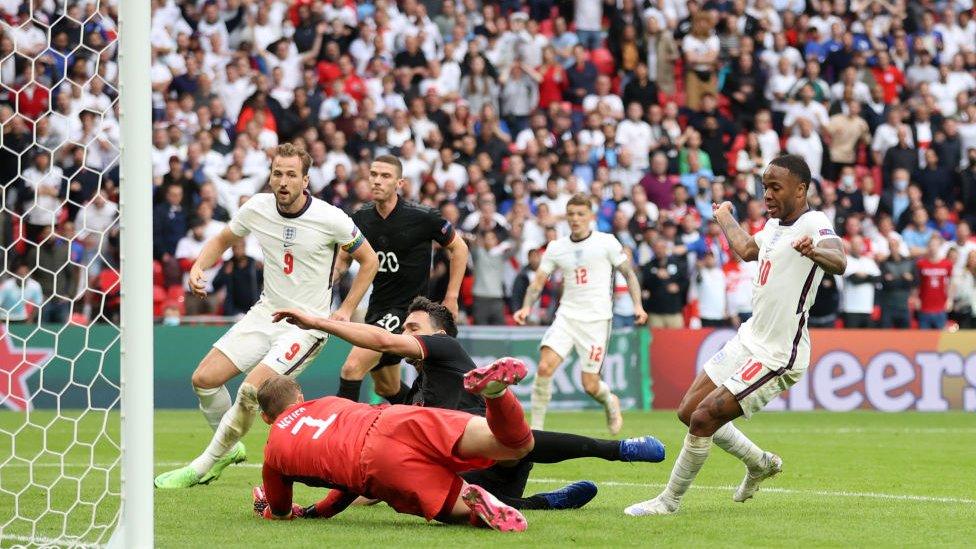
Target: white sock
{"type": "Point", "coordinates": [214, 403]}
{"type": "Point", "coordinates": [690, 460]}
{"type": "Point", "coordinates": [233, 426]}
{"type": "Point", "coordinates": [603, 394]}
{"type": "Point", "coordinates": [731, 439]}
{"type": "Point", "coordinates": [541, 395]}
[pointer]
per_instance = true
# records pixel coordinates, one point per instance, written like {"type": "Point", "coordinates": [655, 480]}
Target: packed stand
{"type": "Point", "coordinates": [501, 111]}
{"type": "Point", "coordinates": [59, 161]}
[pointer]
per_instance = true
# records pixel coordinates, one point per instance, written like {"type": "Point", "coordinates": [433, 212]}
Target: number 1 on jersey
{"type": "Point", "coordinates": [320, 425]}
{"type": "Point", "coordinates": [580, 275]}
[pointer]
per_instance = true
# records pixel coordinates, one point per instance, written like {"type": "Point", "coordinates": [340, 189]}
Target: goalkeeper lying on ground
{"type": "Point", "coordinates": [428, 342]}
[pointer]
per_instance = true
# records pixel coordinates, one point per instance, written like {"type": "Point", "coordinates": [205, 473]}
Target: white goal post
{"type": "Point", "coordinates": [135, 528]}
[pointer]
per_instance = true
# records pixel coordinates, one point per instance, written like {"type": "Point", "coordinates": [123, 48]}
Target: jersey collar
{"type": "Point", "coordinates": [396, 206]}
{"type": "Point", "coordinates": [308, 204]}
{"type": "Point", "coordinates": [790, 224]}
{"type": "Point", "coordinates": [571, 239]}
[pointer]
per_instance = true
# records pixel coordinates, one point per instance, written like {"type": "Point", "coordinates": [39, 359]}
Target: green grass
{"type": "Point", "coordinates": [854, 479]}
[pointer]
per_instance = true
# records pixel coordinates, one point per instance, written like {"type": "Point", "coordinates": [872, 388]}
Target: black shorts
{"type": "Point", "coordinates": [390, 320]}
{"type": "Point", "coordinates": [500, 480]}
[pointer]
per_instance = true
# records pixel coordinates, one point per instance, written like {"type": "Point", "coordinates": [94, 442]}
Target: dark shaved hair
{"type": "Point", "coordinates": [440, 316]}
{"type": "Point", "coordinates": [796, 165]}
{"type": "Point", "coordinates": [393, 161]}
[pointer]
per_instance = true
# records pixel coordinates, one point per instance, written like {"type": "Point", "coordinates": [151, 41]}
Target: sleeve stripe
{"type": "Point", "coordinates": [423, 347]}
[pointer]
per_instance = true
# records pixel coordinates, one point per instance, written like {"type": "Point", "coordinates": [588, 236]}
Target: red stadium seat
{"type": "Point", "coordinates": [603, 59]}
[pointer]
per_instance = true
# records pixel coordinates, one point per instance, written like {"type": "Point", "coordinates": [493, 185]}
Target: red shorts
{"type": "Point", "coordinates": [409, 460]}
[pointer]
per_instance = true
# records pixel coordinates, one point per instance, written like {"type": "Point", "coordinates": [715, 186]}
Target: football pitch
{"type": "Point", "coordinates": [852, 479]}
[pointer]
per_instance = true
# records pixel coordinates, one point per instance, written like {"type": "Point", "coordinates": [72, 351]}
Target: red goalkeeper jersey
{"type": "Point", "coordinates": [318, 443]}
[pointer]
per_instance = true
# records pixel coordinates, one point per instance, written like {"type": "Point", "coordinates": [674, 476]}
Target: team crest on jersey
{"type": "Point", "coordinates": [579, 256]}
{"type": "Point", "coordinates": [827, 232]}
{"type": "Point", "coordinates": [290, 233]}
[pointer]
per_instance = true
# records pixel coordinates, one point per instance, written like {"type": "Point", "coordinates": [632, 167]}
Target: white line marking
{"type": "Point", "coordinates": [613, 483]}
{"type": "Point", "coordinates": [48, 542]}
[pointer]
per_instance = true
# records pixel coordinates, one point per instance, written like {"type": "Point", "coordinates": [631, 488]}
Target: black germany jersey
{"type": "Point", "coordinates": [440, 379]}
{"type": "Point", "coordinates": [402, 242]}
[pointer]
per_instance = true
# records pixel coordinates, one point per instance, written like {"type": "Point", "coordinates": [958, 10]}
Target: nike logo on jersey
{"type": "Point", "coordinates": [289, 244]}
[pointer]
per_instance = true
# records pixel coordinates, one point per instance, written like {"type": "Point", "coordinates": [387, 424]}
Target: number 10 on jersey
{"type": "Point", "coordinates": [764, 268]}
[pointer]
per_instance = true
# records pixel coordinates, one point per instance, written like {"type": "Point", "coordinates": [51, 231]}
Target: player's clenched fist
{"type": "Point", "coordinates": [520, 316]}
{"type": "Point", "coordinates": [262, 509]}
{"type": "Point", "coordinates": [198, 282]}
{"type": "Point", "coordinates": [804, 245]}
{"type": "Point", "coordinates": [723, 207]}
{"type": "Point", "coordinates": [301, 319]}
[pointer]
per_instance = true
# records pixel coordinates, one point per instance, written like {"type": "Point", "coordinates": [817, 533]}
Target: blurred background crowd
{"type": "Point", "coordinates": [500, 111]}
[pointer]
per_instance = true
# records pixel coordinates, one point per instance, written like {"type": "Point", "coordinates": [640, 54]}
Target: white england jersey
{"type": "Point", "coordinates": [783, 291]}
{"type": "Point", "coordinates": [299, 250]}
{"type": "Point", "coordinates": [587, 267]}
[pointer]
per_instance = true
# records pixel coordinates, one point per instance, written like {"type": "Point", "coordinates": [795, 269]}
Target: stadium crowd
{"type": "Point", "coordinates": [500, 111]}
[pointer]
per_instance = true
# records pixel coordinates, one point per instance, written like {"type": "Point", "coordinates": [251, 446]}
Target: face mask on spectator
{"type": "Point", "coordinates": [901, 184]}
{"type": "Point", "coordinates": [848, 181]}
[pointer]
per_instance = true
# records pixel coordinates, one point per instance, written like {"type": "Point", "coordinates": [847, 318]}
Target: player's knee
{"type": "Point", "coordinates": [202, 379]}
{"type": "Point", "coordinates": [352, 371]}
{"type": "Point", "coordinates": [704, 420]}
{"type": "Point", "coordinates": [684, 415]}
{"type": "Point", "coordinates": [385, 389]}
{"type": "Point", "coordinates": [545, 369]}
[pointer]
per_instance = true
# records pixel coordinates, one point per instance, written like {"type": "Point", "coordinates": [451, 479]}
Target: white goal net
{"type": "Point", "coordinates": [60, 397]}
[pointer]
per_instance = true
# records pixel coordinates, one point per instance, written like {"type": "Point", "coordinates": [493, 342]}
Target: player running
{"type": "Point", "coordinates": [772, 349]}
{"type": "Point", "coordinates": [429, 342]}
{"type": "Point", "coordinates": [401, 233]}
{"type": "Point", "coordinates": [587, 259]}
{"type": "Point", "coordinates": [407, 456]}
{"type": "Point", "coordinates": [299, 236]}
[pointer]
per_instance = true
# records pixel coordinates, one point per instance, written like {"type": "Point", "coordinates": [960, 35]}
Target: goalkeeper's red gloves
{"type": "Point", "coordinates": [262, 509]}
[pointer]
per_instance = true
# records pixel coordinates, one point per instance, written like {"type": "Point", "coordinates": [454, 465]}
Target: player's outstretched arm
{"type": "Point", "coordinates": [368, 267]}
{"type": "Point", "coordinates": [458, 260]}
{"type": "Point", "coordinates": [331, 505]}
{"type": "Point", "coordinates": [531, 296]}
{"type": "Point", "coordinates": [278, 493]}
{"type": "Point", "coordinates": [741, 242]}
{"type": "Point", "coordinates": [360, 335]}
{"type": "Point", "coordinates": [209, 256]}
{"type": "Point", "coordinates": [828, 254]}
{"type": "Point", "coordinates": [633, 286]}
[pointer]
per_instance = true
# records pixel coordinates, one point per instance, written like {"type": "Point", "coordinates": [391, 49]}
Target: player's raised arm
{"type": "Point", "coordinates": [366, 336]}
{"type": "Point", "coordinates": [209, 256]}
{"type": "Point", "coordinates": [742, 243]}
{"type": "Point", "coordinates": [369, 265]}
{"type": "Point", "coordinates": [457, 251]}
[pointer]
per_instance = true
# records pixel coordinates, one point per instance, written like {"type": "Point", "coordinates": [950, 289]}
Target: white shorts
{"type": "Point", "coordinates": [588, 338]}
{"type": "Point", "coordinates": [754, 384]}
{"type": "Point", "coordinates": [255, 339]}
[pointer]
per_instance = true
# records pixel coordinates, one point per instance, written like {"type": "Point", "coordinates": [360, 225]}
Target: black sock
{"type": "Point", "coordinates": [553, 447]}
{"type": "Point", "coordinates": [349, 389]}
{"type": "Point", "coordinates": [532, 502]}
{"type": "Point", "coordinates": [401, 396]}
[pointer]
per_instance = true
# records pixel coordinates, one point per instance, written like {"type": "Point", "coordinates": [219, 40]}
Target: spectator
{"type": "Point", "coordinates": [932, 296]}
{"type": "Point", "coordinates": [713, 307]}
{"type": "Point", "coordinates": [58, 279]}
{"type": "Point", "coordinates": [846, 132]}
{"type": "Point", "coordinates": [489, 256]}
{"type": "Point", "coordinates": [662, 52]}
{"type": "Point", "coordinates": [701, 49]}
{"type": "Point", "coordinates": [243, 279]}
{"type": "Point", "coordinates": [897, 282]}
{"type": "Point", "coordinates": [918, 234]}
{"type": "Point", "coordinates": [963, 290]}
{"type": "Point", "coordinates": [20, 296]}
{"type": "Point", "coordinates": [46, 182]}
{"type": "Point", "coordinates": [859, 280]}
{"type": "Point", "coordinates": [665, 283]}
{"type": "Point", "coordinates": [738, 287]}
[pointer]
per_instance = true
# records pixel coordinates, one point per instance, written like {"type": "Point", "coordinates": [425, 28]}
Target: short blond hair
{"type": "Point", "coordinates": [290, 150]}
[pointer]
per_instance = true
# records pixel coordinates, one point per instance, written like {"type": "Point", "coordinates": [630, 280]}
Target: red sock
{"type": "Point", "coordinates": [507, 420]}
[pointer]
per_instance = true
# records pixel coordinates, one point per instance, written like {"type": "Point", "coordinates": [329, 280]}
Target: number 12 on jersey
{"type": "Point", "coordinates": [580, 275]}
{"type": "Point", "coordinates": [319, 424]}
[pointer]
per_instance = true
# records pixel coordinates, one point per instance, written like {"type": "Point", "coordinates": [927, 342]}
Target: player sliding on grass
{"type": "Point", "coordinates": [587, 259]}
{"type": "Point", "coordinates": [428, 341]}
{"type": "Point", "coordinates": [407, 456]}
{"type": "Point", "coordinates": [299, 236]}
{"type": "Point", "coordinates": [772, 349]}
